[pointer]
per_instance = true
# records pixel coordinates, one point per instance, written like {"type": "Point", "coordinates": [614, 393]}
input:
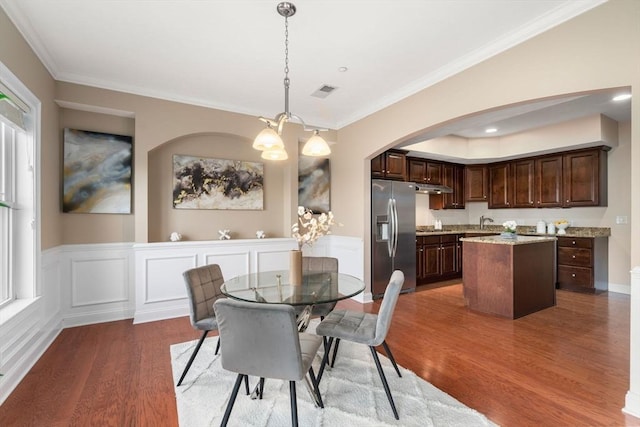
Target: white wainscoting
{"type": "Point", "coordinates": [29, 326]}
{"type": "Point", "coordinates": [160, 292]}
{"type": "Point", "coordinates": [632, 399]}
{"type": "Point", "coordinates": [94, 283]}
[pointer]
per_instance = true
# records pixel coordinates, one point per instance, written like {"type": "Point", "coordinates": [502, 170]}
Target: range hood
{"type": "Point", "coordinates": [433, 189]}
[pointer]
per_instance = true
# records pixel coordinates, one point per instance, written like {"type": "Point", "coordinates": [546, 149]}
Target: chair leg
{"type": "Point", "coordinates": [193, 356]}
{"type": "Point", "coordinates": [218, 345]}
{"type": "Point", "coordinates": [246, 384]}
{"type": "Point", "coordinates": [325, 359]}
{"type": "Point", "coordinates": [316, 386]}
{"type": "Point", "coordinates": [261, 387]}
{"type": "Point", "coordinates": [384, 381]}
{"type": "Point", "coordinates": [232, 400]}
{"type": "Point", "coordinates": [335, 352]}
{"type": "Point", "coordinates": [294, 403]}
{"type": "Point", "coordinates": [390, 356]}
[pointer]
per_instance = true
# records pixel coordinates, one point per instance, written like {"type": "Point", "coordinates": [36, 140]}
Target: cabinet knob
{"type": "Point", "coordinates": [573, 275]}
{"type": "Point", "coordinates": [573, 256]}
{"type": "Point", "coordinates": [484, 197]}
{"type": "Point", "coordinates": [567, 200]}
{"type": "Point", "coordinates": [573, 242]}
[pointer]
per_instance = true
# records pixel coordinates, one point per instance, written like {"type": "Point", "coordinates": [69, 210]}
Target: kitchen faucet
{"type": "Point", "coordinates": [483, 220]}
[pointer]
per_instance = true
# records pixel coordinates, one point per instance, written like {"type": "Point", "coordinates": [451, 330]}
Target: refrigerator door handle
{"type": "Point", "coordinates": [395, 228]}
{"type": "Point", "coordinates": [390, 221]}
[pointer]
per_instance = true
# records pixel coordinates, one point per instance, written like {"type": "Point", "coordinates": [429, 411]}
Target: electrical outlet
{"type": "Point", "coordinates": [622, 219]}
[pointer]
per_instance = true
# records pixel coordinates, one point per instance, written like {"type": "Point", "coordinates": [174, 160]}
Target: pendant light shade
{"type": "Point", "coordinates": [275, 154]}
{"type": "Point", "coordinates": [316, 146]}
{"type": "Point", "coordinates": [268, 139]}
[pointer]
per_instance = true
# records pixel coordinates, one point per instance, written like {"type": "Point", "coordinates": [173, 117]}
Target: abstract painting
{"type": "Point", "coordinates": [97, 172]}
{"type": "Point", "coordinates": [201, 183]}
{"type": "Point", "coordinates": [314, 183]}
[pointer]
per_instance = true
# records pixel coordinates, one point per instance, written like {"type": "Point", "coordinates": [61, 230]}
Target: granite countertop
{"type": "Point", "coordinates": [527, 230]}
{"type": "Point", "coordinates": [518, 240]}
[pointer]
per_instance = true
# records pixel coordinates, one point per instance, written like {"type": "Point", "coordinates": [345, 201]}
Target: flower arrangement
{"type": "Point", "coordinates": [509, 226]}
{"type": "Point", "coordinates": [561, 222]}
{"type": "Point", "coordinates": [308, 229]}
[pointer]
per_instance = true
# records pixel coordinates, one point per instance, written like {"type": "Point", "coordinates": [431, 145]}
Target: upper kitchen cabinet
{"type": "Point", "coordinates": [453, 176]}
{"type": "Point", "coordinates": [499, 185]}
{"type": "Point", "coordinates": [391, 164]}
{"type": "Point", "coordinates": [424, 171]}
{"type": "Point", "coordinates": [584, 180]}
{"type": "Point", "coordinates": [476, 186]}
{"type": "Point", "coordinates": [548, 181]}
{"type": "Point", "coordinates": [523, 183]}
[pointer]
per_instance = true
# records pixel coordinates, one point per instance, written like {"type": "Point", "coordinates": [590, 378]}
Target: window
{"type": "Point", "coordinates": [7, 184]}
{"type": "Point", "coordinates": [18, 220]}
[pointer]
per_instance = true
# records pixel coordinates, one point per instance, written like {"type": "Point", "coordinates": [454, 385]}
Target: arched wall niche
{"type": "Point", "coordinates": [201, 224]}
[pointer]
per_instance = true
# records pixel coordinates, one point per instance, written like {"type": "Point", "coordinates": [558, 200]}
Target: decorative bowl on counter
{"type": "Point", "coordinates": [562, 226]}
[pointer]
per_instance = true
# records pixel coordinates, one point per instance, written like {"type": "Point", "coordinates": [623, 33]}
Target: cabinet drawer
{"type": "Point", "coordinates": [575, 242]}
{"type": "Point", "coordinates": [575, 276]}
{"type": "Point", "coordinates": [575, 256]}
{"type": "Point", "coordinates": [448, 238]}
{"type": "Point", "coordinates": [429, 240]}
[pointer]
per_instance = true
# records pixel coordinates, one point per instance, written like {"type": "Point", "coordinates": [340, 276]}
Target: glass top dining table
{"type": "Point", "coordinates": [274, 287]}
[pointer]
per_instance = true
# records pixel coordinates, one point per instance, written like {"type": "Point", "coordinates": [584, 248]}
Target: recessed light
{"type": "Point", "coordinates": [622, 97]}
{"type": "Point", "coordinates": [343, 69]}
{"type": "Point", "coordinates": [491, 130]}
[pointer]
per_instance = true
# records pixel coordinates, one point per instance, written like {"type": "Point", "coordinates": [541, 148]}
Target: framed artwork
{"type": "Point", "coordinates": [97, 172]}
{"type": "Point", "coordinates": [314, 183]}
{"type": "Point", "coordinates": [201, 183]}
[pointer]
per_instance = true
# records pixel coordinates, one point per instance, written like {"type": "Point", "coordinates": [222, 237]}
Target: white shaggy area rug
{"type": "Point", "coordinates": [352, 392]}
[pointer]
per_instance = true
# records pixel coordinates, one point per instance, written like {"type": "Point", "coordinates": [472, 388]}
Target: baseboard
{"type": "Point", "coordinates": [632, 404]}
{"type": "Point", "coordinates": [153, 315]}
{"type": "Point", "coordinates": [620, 289]}
{"type": "Point", "coordinates": [82, 319]}
{"type": "Point", "coordinates": [12, 378]}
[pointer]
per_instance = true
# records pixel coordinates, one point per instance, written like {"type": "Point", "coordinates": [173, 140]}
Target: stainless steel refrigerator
{"type": "Point", "coordinates": [393, 238]}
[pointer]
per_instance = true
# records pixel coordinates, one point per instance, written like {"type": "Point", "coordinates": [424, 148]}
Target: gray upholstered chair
{"type": "Point", "coordinates": [319, 265]}
{"type": "Point", "coordinates": [365, 328]}
{"type": "Point", "coordinates": [263, 340]}
{"type": "Point", "coordinates": [203, 288]}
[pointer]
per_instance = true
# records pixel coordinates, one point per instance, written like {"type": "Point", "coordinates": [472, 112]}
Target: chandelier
{"type": "Point", "coordinates": [269, 140]}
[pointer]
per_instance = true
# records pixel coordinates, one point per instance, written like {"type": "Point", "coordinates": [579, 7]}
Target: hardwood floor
{"type": "Point", "coordinates": [564, 366]}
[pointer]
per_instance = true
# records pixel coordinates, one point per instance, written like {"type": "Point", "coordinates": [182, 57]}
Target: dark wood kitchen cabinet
{"type": "Point", "coordinates": [391, 164]}
{"type": "Point", "coordinates": [584, 181]}
{"type": "Point", "coordinates": [453, 177]}
{"type": "Point", "coordinates": [437, 258]}
{"type": "Point", "coordinates": [583, 264]}
{"type": "Point", "coordinates": [423, 171]}
{"type": "Point", "coordinates": [548, 182]}
{"type": "Point", "coordinates": [523, 183]}
{"type": "Point", "coordinates": [537, 182]}
{"type": "Point", "coordinates": [499, 185]}
{"type": "Point", "coordinates": [476, 183]}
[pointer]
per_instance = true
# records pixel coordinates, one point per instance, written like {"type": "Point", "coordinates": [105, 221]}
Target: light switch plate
{"type": "Point", "coordinates": [622, 219]}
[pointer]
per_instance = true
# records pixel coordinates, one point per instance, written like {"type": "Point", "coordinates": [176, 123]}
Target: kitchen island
{"type": "Point", "coordinates": [509, 277]}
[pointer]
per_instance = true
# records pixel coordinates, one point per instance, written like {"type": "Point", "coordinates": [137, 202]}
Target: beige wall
{"type": "Point", "coordinates": [16, 55]}
{"type": "Point", "coordinates": [201, 131]}
{"type": "Point", "coordinates": [597, 50]}
{"type": "Point", "coordinates": [204, 224]}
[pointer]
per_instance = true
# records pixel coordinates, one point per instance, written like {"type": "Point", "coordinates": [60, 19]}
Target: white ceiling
{"type": "Point", "coordinates": [230, 54]}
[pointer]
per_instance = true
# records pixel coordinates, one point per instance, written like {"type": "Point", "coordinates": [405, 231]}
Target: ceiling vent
{"type": "Point", "coordinates": [324, 91]}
